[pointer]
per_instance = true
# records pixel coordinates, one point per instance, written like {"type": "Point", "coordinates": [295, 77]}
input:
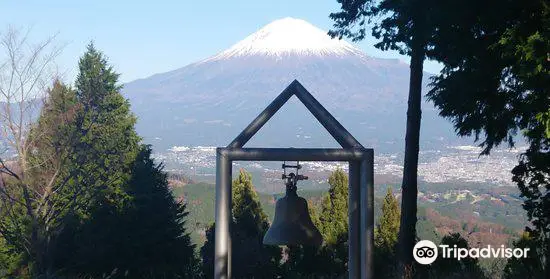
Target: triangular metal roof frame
{"type": "Point", "coordinates": [336, 130]}
{"type": "Point", "coordinates": [360, 175]}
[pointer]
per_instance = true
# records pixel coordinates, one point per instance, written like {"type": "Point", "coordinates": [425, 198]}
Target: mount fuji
{"type": "Point", "coordinates": [209, 102]}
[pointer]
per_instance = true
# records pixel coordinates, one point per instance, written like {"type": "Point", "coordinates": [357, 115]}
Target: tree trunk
{"type": "Point", "coordinates": [407, 229]}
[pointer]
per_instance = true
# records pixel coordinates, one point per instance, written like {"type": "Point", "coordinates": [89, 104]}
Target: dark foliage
{"type": "Point", "coordinates": [495, 84]}
{"type": "Point", "coordinates": [530, 267]}
{"type": "Point", "coordinates": [249, 258]}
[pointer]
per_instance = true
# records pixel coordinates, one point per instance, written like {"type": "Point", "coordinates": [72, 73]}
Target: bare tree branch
{"type": "Point", "coordinates": [23, 74]}
{"type": "Point", "coordinates": [25, 70]}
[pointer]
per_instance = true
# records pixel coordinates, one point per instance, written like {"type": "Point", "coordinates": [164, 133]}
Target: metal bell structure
{"type": "Point", "coordinates": [361, 184]}
{"type": "Point", "coordinates": [292, 224]}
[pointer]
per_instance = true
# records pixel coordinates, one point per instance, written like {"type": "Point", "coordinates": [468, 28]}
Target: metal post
{"type": "Point", "coordinates": [222, 250]}
{"type": "Point", "coordinates": [367, 215]}
{"type": "Point", "coordinates": [354, 243]}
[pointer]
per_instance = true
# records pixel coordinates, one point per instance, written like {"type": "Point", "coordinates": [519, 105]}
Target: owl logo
{"type": "Point", "coordinates": [425, 252]}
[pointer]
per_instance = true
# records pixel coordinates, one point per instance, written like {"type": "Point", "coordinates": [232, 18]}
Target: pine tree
{"type": "Point", "coordinates": [330, 260]}
{"type": "Point", "coordinates": [153, 227]}
{"type": "Point", "coordinates": [385, 237]}
{"type": "Point", "coordinates": [52, 138]}
{"type": "Point", "coordinates": [333, 225]}
{"type": "Point", "coordinates": [102, 150]}
{"type": "Point", "coordinates": [406, 27]}
{"type": "Point", "coordinates": [333, 219]}
{"type": "Point", "coordinates": [247, 211]}
{"type": "Point", "coordinates": [108, 143]}
{"type": "Point", "coordinates": [250, 258]}
{"type": "Point", "coordinates": [505, 92]}
{"type": "Point", "coordinates": [387, 228]}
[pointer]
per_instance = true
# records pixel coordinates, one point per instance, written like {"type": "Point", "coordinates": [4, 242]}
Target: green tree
{"type": "Point", "coordinates": [52, 137]}
{"type": "Point", "coordinates": [108, 143]}
{"type": "Point", "coordinates": [102, 150]}
{"type": "Point", "coordinates": [10, 261]}
{"type": "Point", "coordinates": [35, 202]}
{"type": "Point", "coordinates": [160, 245]}
{"type": "Point", "coordinates": [333, 218]}
{"type": "Point", "coordinates": [530, 267]}
{"type": "Point", "coordinates": [329, 260]}
{"type": "Point", "coordinates": [249, 258]}
{"type": "Point", "coordinates": [387, 228]}
{"type": "Point", "coordinates": [130, 224]}
{"type": "Point", "coordinates": [385, 237]}
{"type": "Point", "coordinates": [333, 225]}
{"type": "Point", "coordinates": [404, 26]}
{"type": "Point", "coordinates": [467, 268]}
{"type": "Point", "coordinates": [24, 220]}
{"type": "Point", "coordinates": [505, 92]}
{"type": "Point", "coordinates": [544, 118]}
{"type": "Point", "coordinates": [147, 238]}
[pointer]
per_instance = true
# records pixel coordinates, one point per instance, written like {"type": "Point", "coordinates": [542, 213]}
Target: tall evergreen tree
{"type": "Point", "coordinates": [330, 260]}
{"type": "Point", "coordinates": [385, 238]}
{"type": "Point", "coordinates": [108, 143]}
{"type": "Point", "coordinates": [333, 218]}
{"type": "Point", "coordinates": [249, 258]}
{"type": "Point", "coordinates": [407, 27]}
{"type": "Point", "coordinates": [495, 83]}
{"type": "Point", "coordinates": [147, 238]}
{"type": "Point", "coordinates": [103, 148]}
{"type": "Point", "coordinates": [387, 228]}
{"type": "Point", "coordinates": [333, 225]}
{"type": "Point", "coordinates": [161, 246]}
{"type": "Point", "coordinates": [52, 138]}
{"type": "Point", "coordinates": [131, 225]}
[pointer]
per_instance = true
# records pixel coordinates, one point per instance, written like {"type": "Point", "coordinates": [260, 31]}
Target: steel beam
{"type": "Point", "coordinates": [354, 241]}
{"type": "Point", "coordinates": [366, 182]}
{"type": "Point", "coordinates": [294, 154]}
{"type": "Point", "coordinates": [222, 250]}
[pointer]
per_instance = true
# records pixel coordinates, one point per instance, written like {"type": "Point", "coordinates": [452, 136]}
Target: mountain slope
{"type": "Point", "coordinates": [209, 102]}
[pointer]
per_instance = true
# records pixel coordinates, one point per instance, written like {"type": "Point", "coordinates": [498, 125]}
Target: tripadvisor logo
{"type": "Point", "coordinates": [426, 252]}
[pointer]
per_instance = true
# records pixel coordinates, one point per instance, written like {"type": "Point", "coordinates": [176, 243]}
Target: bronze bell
{"type": "Point", "coordinates": [292, 224]}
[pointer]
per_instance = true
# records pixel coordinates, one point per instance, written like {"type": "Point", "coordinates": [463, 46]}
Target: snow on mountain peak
{"type": "Point", "coordinates": [288, 36]}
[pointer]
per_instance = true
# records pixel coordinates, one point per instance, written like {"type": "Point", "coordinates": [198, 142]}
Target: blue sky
{"type": "Point", "coordinates": [142, 38]}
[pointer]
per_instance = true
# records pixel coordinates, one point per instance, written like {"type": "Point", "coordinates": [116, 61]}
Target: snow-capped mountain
{"type": "Point", "coordinates": [209, 102]}
{"type": "Point", "coordinates": [288, 36]}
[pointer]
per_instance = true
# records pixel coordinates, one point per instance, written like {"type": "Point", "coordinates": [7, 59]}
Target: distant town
{"type": "Point", "coordinates": [449, 164]}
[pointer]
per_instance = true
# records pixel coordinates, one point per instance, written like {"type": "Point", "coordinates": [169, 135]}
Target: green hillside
{"type": "Point", "coordinates": [200, 198]}
{"type": "Point", "coordinates": [485, 220]}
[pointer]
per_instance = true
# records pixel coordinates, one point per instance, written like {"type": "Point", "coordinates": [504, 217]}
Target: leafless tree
{"type": "Point", "coordinates": [26, 69]}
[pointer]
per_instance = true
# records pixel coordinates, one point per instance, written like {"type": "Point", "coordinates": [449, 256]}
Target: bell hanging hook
{"type": "Point", "coordinates": [292, 178]}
